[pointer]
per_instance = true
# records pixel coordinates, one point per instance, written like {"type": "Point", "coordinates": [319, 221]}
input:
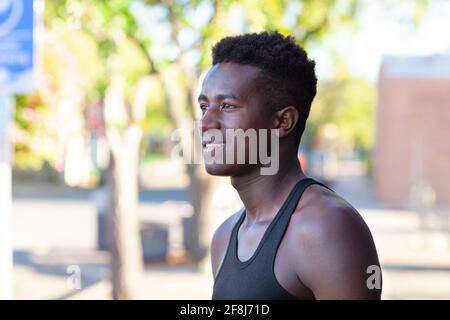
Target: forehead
{"type": "Point", "coordinates": [230, 78]}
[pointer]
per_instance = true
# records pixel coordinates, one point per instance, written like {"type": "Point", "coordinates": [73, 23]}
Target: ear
{"type": "Point", "coordinates": [285, 120]}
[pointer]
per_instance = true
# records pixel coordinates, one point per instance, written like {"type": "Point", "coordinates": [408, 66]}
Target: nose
{"type": "Point", "coordinates": [210, 119]}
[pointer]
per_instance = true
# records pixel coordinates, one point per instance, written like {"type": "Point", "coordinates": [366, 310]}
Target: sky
{"type": "Point", "coordinates": [390, 32]}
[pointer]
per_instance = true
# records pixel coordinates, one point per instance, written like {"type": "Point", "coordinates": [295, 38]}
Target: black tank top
{"type": "Point", "coordinates": [255, 278]}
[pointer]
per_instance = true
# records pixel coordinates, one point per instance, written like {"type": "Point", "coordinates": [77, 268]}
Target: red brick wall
{"type": "Point", "coordinates": [413, 117]}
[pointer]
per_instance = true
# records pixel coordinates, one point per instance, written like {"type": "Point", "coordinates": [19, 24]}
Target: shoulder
{"type": "Point", "coordinates": [221, 239]}
{"type": "Point", "coordinates": [335, 245]}
{"type": "Point", "coordinates": [321, 211]}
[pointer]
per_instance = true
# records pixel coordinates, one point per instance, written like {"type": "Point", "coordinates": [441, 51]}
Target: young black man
{"type": "Point", "coordinates": [294, 238]}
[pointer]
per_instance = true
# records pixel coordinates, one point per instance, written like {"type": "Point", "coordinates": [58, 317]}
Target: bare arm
{"type": "Point", "coordinates": [336, 251]}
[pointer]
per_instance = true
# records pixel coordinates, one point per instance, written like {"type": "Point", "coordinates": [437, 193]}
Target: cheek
{"type": "Point", "coordinates": [238, 119]}
{"type": "Point", "coordinates": [261, 116]}
{"type": "Point", "coordinates": [247, 118]}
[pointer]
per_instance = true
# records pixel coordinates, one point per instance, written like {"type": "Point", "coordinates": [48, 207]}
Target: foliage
{"type": "Point", "coordinates": [96, 40]}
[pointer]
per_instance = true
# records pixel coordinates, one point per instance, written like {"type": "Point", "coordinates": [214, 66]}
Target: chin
{"type": "Point", "coordinates": [219, 170]}
{"type": "Point", "coordinates": [228, 170]}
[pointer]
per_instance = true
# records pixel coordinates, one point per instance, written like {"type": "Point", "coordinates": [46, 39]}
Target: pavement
{"type": "Point", "coordinates": [56, 256]}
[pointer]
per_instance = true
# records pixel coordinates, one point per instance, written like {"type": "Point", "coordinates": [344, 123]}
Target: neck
{"type": "Point", "coordinates": [263, 195]}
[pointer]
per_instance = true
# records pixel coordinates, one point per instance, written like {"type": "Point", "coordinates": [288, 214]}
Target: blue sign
{"type": "Point", "coordinates": [16, 46]}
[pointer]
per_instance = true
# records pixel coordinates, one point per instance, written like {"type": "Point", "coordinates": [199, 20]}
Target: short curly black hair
{"type": "Point", "coordinates": [288, 73]}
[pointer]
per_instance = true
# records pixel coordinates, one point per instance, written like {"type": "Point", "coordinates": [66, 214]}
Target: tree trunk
{"type": "Point", "coordinates": [196, 228]}
{"type": "Point", "coordinates": [124, 233]}
{"type": "Point", "coordinates": [124, 138]}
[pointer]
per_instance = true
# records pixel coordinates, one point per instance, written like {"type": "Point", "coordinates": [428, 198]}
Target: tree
{"type": "Point", "coordinates": [123, 89]}
{"type": "Point", "coordinates": [349, 104]}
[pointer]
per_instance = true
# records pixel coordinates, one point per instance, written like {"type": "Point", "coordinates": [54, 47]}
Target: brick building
{"type": "Point", "coordinates": [412, 148]}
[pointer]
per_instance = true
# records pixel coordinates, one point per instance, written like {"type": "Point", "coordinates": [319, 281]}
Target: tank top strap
{"type": "Point", "coordinates": [231, 247]}
{"type": "Point", "coordinates": [281, 225]}
{"type": "Point", "coordinates": [255, 278]}
{"type": "Point", "coordinates": [275, 230]}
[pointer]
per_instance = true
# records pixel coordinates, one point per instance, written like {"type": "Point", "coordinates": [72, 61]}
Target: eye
{"type": "Point", "coordinates": [203, 107]}
{"type": "Point", "coordinates": [226, 106]}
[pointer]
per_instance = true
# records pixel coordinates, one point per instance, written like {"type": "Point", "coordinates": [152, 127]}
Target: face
{"type": "Point", "coordinates": [230, 99]}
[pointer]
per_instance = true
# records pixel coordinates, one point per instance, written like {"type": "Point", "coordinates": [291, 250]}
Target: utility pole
{"type": "Point", "coordinates": [17, 55]}
{"type": "Point", "coordinates": [6, 256]}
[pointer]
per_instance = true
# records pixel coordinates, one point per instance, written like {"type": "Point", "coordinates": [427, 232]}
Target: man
{"type": "Point", "coordinates": [294, 238]}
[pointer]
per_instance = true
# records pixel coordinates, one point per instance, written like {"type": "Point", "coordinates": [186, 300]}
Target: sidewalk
{"type": "Point", "coordinates": [48, 277]}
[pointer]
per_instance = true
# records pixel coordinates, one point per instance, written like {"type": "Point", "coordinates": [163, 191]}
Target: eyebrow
{"type": "Point", "coordinates": [203, 97]}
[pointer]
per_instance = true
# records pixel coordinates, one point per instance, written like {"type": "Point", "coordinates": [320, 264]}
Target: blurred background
{"type": "Point", "coordinates": [101, 207]}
